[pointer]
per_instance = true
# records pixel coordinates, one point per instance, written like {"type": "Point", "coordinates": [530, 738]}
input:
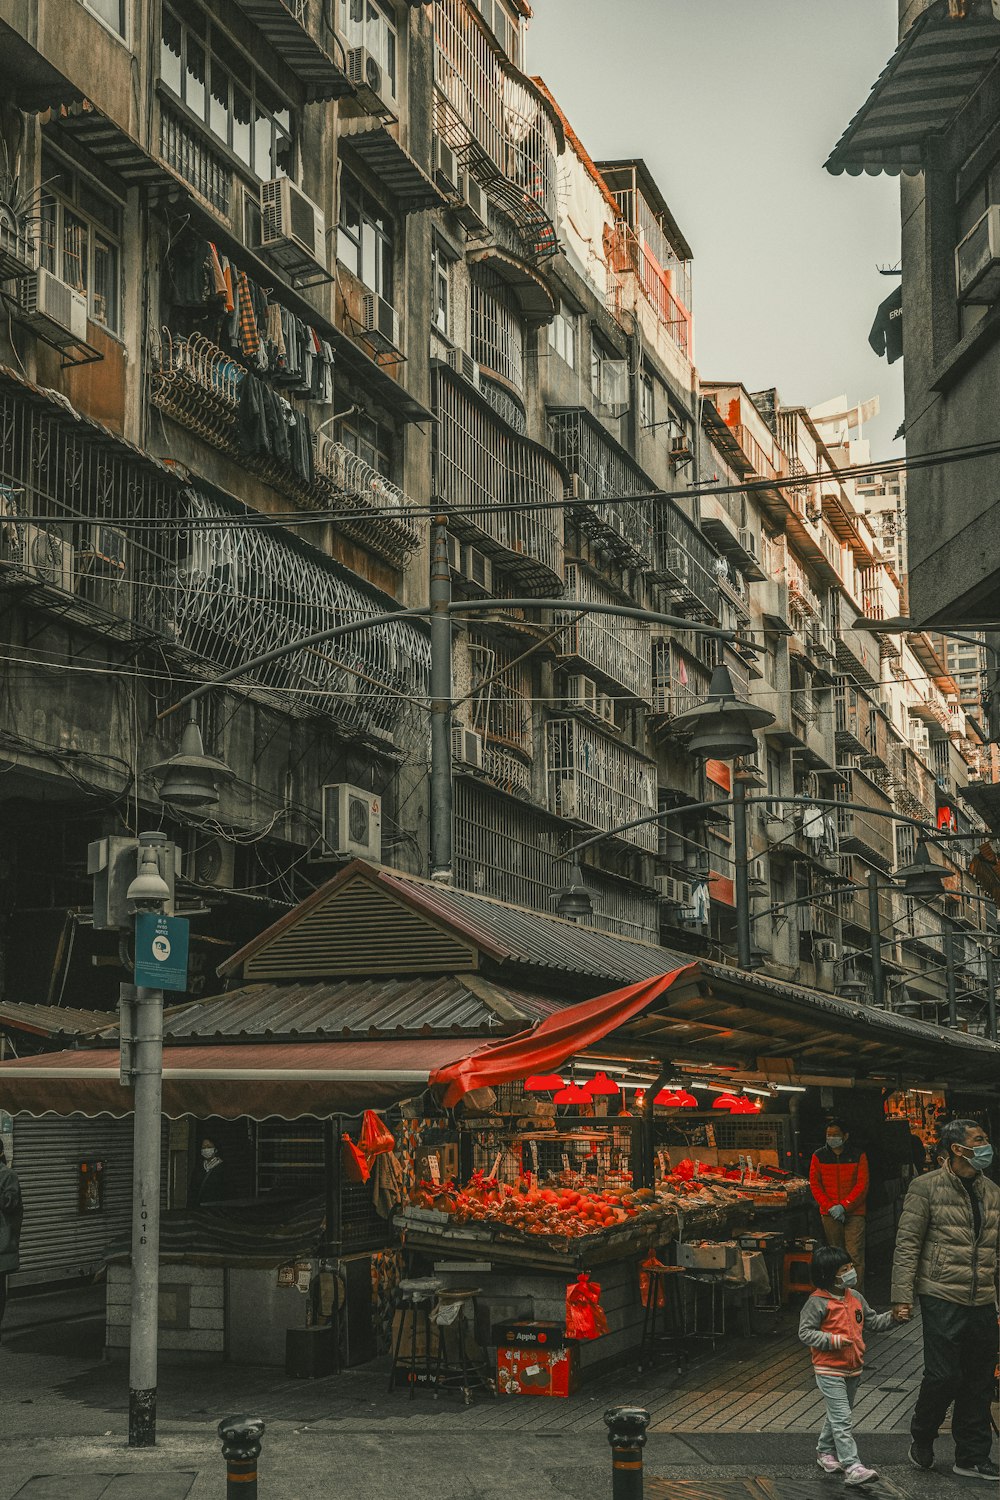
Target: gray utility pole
{"type": "Point", "coordinates": [991, 993]}
{"type": "Point", "coordinates": [741, 876]}
{"type": "Point", "coordinates": [441, 794]}
{"type": "Point", "coordinates": [949, 959]}
{"type": "Point", "coordinates": [875, 931]}
{"type": "Point", "coordinates": [148, 892]}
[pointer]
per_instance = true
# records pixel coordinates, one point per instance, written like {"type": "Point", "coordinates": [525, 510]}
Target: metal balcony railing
{"type": "Point", "coordinates": [629, 254]}
{"type": "Point", "coordinates": [489, 477]}
{"type": "Point", "coordinates": [604, 471]}
{"type": "Point", "coordinates": [501, 701]}
{"type": "Point", "coordinates": [186, 151]}
{"type": "Point", "coordinates": [861, 726]}
{"type": "Point", "coordinates": [598, 782]}
{"type": "Point", "coordinates": [866, 832]}
{"type": "Point", "coordinates": [678, 684]}
{"type": "Point", "coordinates": [383, 521]}
{"type": "Point", "coordinates": [618, 649]}
{"type": "Point", "coordinates": [685, 563]}
{"type": "Point", "coordinates": [497, 122]}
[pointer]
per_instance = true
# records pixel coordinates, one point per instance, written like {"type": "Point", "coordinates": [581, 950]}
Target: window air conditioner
{"type": "Point", "coordinates": [352, 822]}
{"type": "Point", "coordinates": [48, 557]}
{"type": "Point", "coordinates": [748, 541]}
{"type": "Point", "coordinates": [371, 87]}
{"type": "Point", "coordinates": [290, 220]}
{"type": "Point", "coordinates": [52, 306]}
{"type": "Point", "coordinates": [212, 862]}
{"type": "Point", "coordinates": [825, 951]}
{"type": "Point", "coordinates": [463, 364]}
{"type": "Point", "coordinates": [678, 563]}
{"type": "Point", "coordinates": [606, 707]}
{"type": "Point", "coordinates": [445, 166]}
{"type": "Point", "coordinates": [577, 489]}
{"type": "Point", "coordinates": [380, 323]}
{"type": "Point", "coordinates": [673, 891]}
{"type": "Point", "coordinates": [472, 211]}
{"type": "Point", "coordinates": [467, 747]}
{"type": "Point", "coordinates": [581, 692]}
{"type": "Point", "coordinates": [477, 568]}
{"type": "Point", "coordinates": [977, 260]}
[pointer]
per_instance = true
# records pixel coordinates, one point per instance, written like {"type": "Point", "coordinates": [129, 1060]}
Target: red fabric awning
{"type": "Point", "coordinates": [252, 1080]}
{"type": "Point", "coordinates": [552, 1041]}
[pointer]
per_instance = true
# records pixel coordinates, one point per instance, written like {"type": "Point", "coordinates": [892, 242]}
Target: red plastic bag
{"type": "Point", "coordinates": [584, 1314]}
{"type": "Point", "coordinates": [376, 1136]}
{"type": "Point", "coordinates": [645, 1280]}
{"type": "Point", "coordinates": [353, 1161]}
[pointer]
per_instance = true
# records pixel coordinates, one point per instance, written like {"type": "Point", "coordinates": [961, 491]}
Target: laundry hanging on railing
{"type": "Point", "coordinates": [269, 426]}
{"type": "Point", "coordinates": [246, 321]}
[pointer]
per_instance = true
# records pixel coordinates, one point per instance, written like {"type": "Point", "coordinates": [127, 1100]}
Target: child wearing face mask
{"type": "Point", "coordinates": [833, 1324]}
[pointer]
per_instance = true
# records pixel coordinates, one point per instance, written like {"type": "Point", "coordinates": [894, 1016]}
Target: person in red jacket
{"type": "Point", "coordinates": [838, 1176]}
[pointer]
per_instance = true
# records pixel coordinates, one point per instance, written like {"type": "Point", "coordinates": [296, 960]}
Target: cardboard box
{"type": "Point", "coordinates": [707, 1257]}
{"type": "Point", "coordinates": [538, 1372]}
{"type": "Point", "coordinates": [529, 1335]}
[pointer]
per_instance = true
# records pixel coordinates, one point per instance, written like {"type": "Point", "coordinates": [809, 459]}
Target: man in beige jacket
{"type": "Point", "coordinates": [947, 1255]}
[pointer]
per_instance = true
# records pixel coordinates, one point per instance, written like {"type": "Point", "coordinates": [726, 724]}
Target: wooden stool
{"type": "Point", "coordinates": [663, 1320]}
{"type": "Point", "coordinates": [797, 1275]}
{"type": "Point", "coordinates": [415, 1297]}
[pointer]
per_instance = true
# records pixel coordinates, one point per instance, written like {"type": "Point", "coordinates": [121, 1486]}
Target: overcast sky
{"type": "Point", "coordinates": [735, 105]}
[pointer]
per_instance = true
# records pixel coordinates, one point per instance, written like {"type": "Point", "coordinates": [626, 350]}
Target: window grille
{"type": "Point", "coordinates": [599, 782]}
{"type": "Point", "coordinates": [616, 647]}
{"type": "Point", "coordinates": [497, 342]}
{"type": "Point", "coordinates": [505, 849]}
{"type": "Point", "coordinates": [606, 472]}
{"type": "Point", "coordinates": [481, 465]}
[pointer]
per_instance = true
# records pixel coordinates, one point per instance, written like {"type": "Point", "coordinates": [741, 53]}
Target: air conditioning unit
{"type": "Point", "coordinates": [48, 557]}
{"type": "Point", "coordinates": [52, 306]}
{"type": "Point", "coordinates": [445, 166]}
{"type": "Point", "coordinates": [606, 707]}
{"type": "Point", "coordinates": [825, 951]}
{"type": "Point", "coordinates": [463, 364]}
{"type": "Point", "coordinates": [212, 862]}
{"type": "Point", "coordinates": [472, 211]}
{"type": "Point", "coordinates": [581, 692]}
{"type": "Point", "coordinates": [352, 822]}
{"type": "Point", "coordinates": [673, 891]}
{"type": "Point", "coordinates": [748, 541]}
{"type": "Point", "coordinates": [477, 568]}
{"type": "Point", "coordinates": [577, 489]}
{"type": "Point", "coordinates": [678, 563]}
{"type": "Point", "coordinates": [290, 220]}
{"type": "Point", "coordinates": [371, 87]}
{"type": "Point", "coordinates": [380, 322]}
{"type": "Point", "coordinates": [613, 383]}
{"type": "Point", "coordinates": [977, 260]}
{"type": "Point", "coordinates": [467, 747]}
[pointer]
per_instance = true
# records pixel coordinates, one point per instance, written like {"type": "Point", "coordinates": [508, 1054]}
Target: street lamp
{"type": "Point", "coordinates": [724, 725]}
{"type": "Point", "coordinates": [190, 779]}
{"type": "Point", "coordinates": [922, 879]}
{"type": "Point", "coordinates": [573, 899]}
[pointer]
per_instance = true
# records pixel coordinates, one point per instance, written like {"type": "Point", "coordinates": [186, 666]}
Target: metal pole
{"type": "Point", "coordinates": [241, 1449]}
{"type": "Point", "coordinates": [875, 932]}
{"type": "Point", "coordinates": [949, 958]}
{"type": "Point", "coordinates": [441, 686]}
{"type": "Point", "coordinates": [627, 1435]}
{"type": "Point", "coordinates": [649, 1127]}
{"type": "Point", "coordinates": [991, 994]}
{"type": "Point", "coordinates": [145, 1219]}
{"type": "Point", "coordinates": [742, 874]}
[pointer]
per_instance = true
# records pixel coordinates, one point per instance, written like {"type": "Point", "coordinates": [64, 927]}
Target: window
{"type": "Point", "coordinates": [647, 407]}
{"type": "Point", "coordinates": [218, 83]}
{"type": "Point", "coordinates": [608, 376]}
{"type": "Point", "coordinates": [370, 440]}
{"type": "Point", "coordinates": [111, 12]}
{"type": "Point", "coordinates": [365, 23]}
{"type": "Point", "coordinates": [365, 238]}
{"type": "Point", "coordinates": [80, 239]}
{"type": "Point", "coordinates": [440, 290]}
{"type": "Point", "coordinates": [502, 21]}
{"type": "Point", "coordinates": [562, 334]}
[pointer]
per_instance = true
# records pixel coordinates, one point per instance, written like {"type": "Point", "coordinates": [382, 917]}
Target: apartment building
{"type": "Point", "coordinates": [283, 280]}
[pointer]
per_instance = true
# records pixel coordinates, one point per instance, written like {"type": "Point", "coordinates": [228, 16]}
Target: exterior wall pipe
{"type": "Point", "coordinates": [949, 956]}
{"type": "Point", "coordinates": [875, 931]}
{"type": "Point", "coordinates": [741, 875]}
{"type": "Point", "coordinates": [441, 794]}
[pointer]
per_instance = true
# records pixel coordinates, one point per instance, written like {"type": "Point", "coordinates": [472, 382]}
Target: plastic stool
{"type": "Point", "coordinates": [797, 1274]}
{"type": "Point", "coordinates": [415, 1297]}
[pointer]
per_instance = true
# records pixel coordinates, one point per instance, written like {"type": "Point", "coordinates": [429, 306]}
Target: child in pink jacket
{"type": "Point", "coordinates": [833, 1324]}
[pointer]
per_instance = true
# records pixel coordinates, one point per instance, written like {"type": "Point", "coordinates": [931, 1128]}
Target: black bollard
{"type": "Point", "coordinates": [241, 1437]}
{"type": "Point", "coordinates": [627, 1436]}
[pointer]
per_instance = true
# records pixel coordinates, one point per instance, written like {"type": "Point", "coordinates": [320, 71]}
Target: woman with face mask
{"type": "Point", "coordinates": [208, 1184]}
{"type": "Point", "coordinates": [946, 1255]}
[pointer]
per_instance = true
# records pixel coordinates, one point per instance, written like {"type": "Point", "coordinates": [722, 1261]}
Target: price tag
{"type": "Point", "coordinates": [664, 1163]}
{"type": "Point", "coordinates": [565, 1162]}
{"type": "Point", "coordinates": [533, 1153]}
{"type": "Point", "coordinates": [434, 1167]}
{"type": "Point", "coordinates": [495, 1169]}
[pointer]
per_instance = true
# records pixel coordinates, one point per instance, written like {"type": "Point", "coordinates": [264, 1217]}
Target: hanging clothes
{"type": "Point", "coordinates": [813, 826]}
{"type": "Point", "coordinates": [249, 337]}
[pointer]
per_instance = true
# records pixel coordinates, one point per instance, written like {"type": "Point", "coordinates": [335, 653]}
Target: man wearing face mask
{"type": "Point", "coordinates": [208, 1183]}
{"type": "Point", "coordinates": [946, 1254]}
{"type": "Point", "coordinates": [838, 1176]}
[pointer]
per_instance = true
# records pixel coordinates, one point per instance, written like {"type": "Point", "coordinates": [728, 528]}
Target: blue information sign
{"type": "Point", "coordinates": [161, 952]}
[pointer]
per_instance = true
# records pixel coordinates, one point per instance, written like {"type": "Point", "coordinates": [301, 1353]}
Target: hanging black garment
{"type": "Point", "coordinates": [886, 336]}
{"type": "Point", "coordinates": [252, 427]}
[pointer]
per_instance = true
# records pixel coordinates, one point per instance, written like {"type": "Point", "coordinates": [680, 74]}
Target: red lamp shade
{"type": "Point", "coordinates": [686, 1100]}
{"type": "Point", "coordinates": [745, 1106]}
{"type": "Point", "coordinates": [668, 1098]}
{"type": "Point", "coordinates": [726, 1101]}
{"type": "Point", "coordinates": [572, 1094]}
{"type": "Point", "coordinates": [542, 1083]}
{"type": "Point", "coordinates": [602, 1084]}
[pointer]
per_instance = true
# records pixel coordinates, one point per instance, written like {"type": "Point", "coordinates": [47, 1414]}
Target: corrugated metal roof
{"type": "Point", "coordinates": [51, 1020]}
{"type": "Point", "coordinates": [934, 71]}
{"type": "Point", "coordinates": [458, 1005]}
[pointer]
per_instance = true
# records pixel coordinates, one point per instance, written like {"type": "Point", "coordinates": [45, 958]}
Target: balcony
{"type": "Point", "coordinates": [293, 29]}
{"type": "Point", "coordinates": [685, 563]}
{"type": "Point", "coordinates": [617, 649]}
{"type": "Point", "coordinates": [597, 782]}
{"type": "Point", "coordinates": [500, 126]}
{"type": "Point", "coordinates": [853, 905]}
{"type": "Point", "coordinates": [185, 150]}
{"type": "Point", "coordinates": [679, 682]}
{"type": "Point", "coordinates": [489, 477]}
{"type": "Point", "coordinates": [500, 705]}
{"type": "Point", "coordinates": [629, 254]}
{"type": "Point", "coordinates": [739, 543]}
{"type": "Point", "coordinates": [862, 729]}
{"type": "Point", "coordinates": [18, 251]}
{"type": "Point", "coordinates": [379, 516]}
{"type": "Point", "coordinates": [867, 832]}
{"type": "Point", "coordinates": [604, 471]}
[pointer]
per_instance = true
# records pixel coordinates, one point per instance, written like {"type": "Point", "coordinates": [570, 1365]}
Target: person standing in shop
{"type": "Point", "coordinates": [838, 1177]}
{"type": "Point", "coordinates": [208, 1183]}
{"type": "Point", "coordinates": [946, 1255]}
{"type": "Point", "coordinates": [11, 1215]}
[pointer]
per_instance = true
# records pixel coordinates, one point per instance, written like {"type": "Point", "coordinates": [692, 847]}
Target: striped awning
{"type": "Point", "coordinates": [285, 27]}
{"type": "Point", "coordinates": [378, 146]}
{"type": "Point", "coordinates": [106, 141]}
{"type": "Point", "coordinates": [935, 70]}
